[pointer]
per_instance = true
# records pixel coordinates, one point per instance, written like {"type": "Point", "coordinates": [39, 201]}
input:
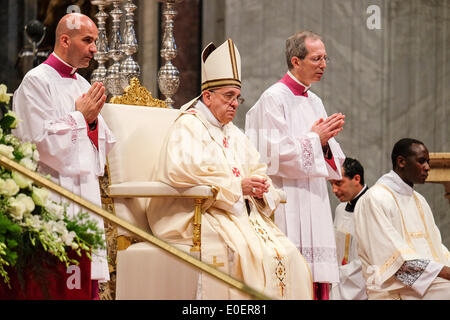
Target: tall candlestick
{"type": "Point", "coordinates": [168, 75]}
{"type": "Point", "coordinates": [129, 68]}
{"type": "Point", "coordinates": [101, 56]}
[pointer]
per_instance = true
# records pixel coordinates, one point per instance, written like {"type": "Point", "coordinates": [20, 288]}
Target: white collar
{"type": "Point", "coordinates": [296, 80]}
{"type": "Point", "coordinates": [73, 69]}
{"type": "Point", "coordinates": [200, 106]}
{"type": "Point", "coordinates": [393, 181]}
{"type": "Point", "coordinates": [362, 190]}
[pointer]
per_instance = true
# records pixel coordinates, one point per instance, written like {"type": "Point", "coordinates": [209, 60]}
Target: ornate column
{"type": "Point", "coordinates": [101, 56]}
{"type": "Point", "coordinates": [168, 75]}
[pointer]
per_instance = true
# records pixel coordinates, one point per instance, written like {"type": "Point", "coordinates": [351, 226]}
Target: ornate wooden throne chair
{"type": "Point", "coordinates": [144, 271]}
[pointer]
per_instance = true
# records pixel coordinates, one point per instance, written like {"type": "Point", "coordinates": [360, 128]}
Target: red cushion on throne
{"type": "Point", "coordinates": [58, 282]}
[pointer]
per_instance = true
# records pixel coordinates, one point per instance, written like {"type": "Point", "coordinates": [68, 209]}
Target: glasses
{"type": "Point", "coordinates": [318, 59]}
{"type": "Point", "coordinates": [230, 98]}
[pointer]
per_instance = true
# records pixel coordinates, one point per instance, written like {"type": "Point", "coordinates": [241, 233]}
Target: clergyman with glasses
{"type": "Point", "coordinates": [204, 147]}
{"type": "Point", "coordinates": [295, 137]}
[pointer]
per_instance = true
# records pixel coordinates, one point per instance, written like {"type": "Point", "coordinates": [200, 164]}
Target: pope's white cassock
{"type": "Point", "coordinates": [45, 104]}
{"type": "Point", "coordinates": [399, 244]}
{"type": "Point", "coordinates": [279, 125]}
{"type": "Point", "coordinates": [352, 285]}
{"type": "Point", "coordinates": [200, 151]}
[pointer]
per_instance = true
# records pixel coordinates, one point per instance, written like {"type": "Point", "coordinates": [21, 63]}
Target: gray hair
{"type": "Point", "coordinates": [295, 45]}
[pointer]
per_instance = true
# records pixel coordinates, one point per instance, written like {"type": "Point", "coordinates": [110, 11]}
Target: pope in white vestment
{"type": "Point", "coordinates": [399, 244]}
{"type": "Point", "coordinates": [204, 147]}
{"type": "Point", "coordinates": [45, 104]}
{"type": "Point", "coordinates": [279, 125]}
{"type": "Point", "coordinates": [247, 245]}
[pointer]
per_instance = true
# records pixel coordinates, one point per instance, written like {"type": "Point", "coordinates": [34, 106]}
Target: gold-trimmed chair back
{"type": "Point", "coordinates": [139, 132]}
{"type": "Point", "coordinates": [142, 270]}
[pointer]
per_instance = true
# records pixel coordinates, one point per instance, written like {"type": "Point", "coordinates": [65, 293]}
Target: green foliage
{"type": "Point", "coordinates": [11, 236]}
{"type": "Point", "coordinates": [7, 122]}
{"type": "Point", "coordinates": [86, 230]}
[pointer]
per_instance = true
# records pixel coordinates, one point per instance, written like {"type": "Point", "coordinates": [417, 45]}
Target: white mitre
{"type": "Point", "coordinates": [221, 67]}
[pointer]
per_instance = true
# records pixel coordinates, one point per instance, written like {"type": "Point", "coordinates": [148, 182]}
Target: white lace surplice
{"type": "Point", "coordinates": [45, 104]}
{"type": "Point", "coordinates": [279, 125]}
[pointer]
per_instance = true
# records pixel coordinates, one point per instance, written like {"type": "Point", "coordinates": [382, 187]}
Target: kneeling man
{"type": "Point", "coordinates": [399, 244]}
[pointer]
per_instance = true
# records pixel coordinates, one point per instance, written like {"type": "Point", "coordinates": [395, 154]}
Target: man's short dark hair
{"type": "Point", "coordinates": [403, 148]}
{"type": "Point", "coordinates": [296, 47]}
{"type": "Point", "coordinates": [353, 167]}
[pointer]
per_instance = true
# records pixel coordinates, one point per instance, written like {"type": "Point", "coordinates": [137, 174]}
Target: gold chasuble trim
{"type": "Point", "coordinates": [407, 236]}
{"type": "Point", "coordinates": [280, 270]}
{"type": "Point", "coordinates": [347, 247]}
{"type": "Point", "coordinates": [422, 216]}
{"type": "Point", "coordinates": [427, 234]}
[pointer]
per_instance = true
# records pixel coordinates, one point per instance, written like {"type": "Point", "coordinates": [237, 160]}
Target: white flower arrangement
{"type": "Point", "coordinates": [29, 220]}
{"type": "Point", "coordinates": [4, 97]}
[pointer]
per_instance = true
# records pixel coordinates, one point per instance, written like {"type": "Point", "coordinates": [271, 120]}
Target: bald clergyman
{"type": "Point", "coordinates": [59, 110]}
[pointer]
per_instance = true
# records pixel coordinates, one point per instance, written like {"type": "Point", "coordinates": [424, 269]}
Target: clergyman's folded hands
{"type": "Point", "coordinates": [91, 103]}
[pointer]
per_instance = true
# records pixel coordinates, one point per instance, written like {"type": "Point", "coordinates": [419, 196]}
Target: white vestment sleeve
{"type": "Point", "coordinates": [419, 274]}
{"type": "Point", "coordinates": [446, 252]}
{"type": "Point", "coordinates": [352, 285]}
{"type": "Point", "coordinates": [55, 136]}
{"type": "Point", "coordinates": [427, 277]}
{"type": "Point", "coordinates": [287, 156]}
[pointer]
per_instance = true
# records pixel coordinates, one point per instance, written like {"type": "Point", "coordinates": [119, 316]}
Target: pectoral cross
{"type": "Point", "coordinates": [216, 264]}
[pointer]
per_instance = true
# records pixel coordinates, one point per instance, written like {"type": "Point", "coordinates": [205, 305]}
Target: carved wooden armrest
{"type": "Point", "coordinates": [155, 189]}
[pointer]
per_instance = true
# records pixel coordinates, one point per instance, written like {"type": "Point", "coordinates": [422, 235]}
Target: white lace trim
{"type": "Point", "coordinates": [411, 270]}
{"type": "Point", "coordinates": [73, 125]}
{"type": "Point", "coordinates": [319, 255]}
{"type": "Point", "coordinates": [307, 154]}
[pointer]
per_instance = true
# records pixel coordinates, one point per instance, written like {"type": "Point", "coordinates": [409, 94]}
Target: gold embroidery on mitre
{"type": "Point", "coordinates": [212, 84]}
{"type": "Point", "coordinates": [233, 59]}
